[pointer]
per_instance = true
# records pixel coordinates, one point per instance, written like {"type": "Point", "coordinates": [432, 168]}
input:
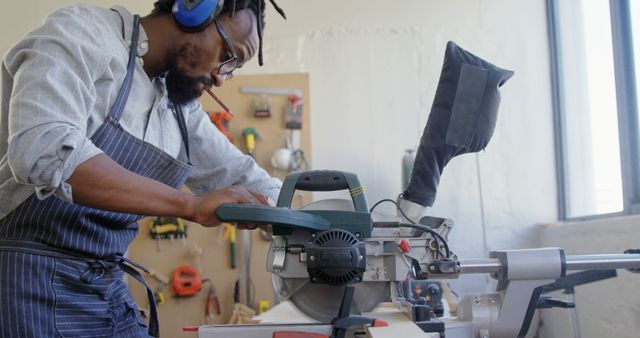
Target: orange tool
{"type": "Point", "coordinates": [186, 281]}
{"type": "Point", "coordinates": [221, 120]}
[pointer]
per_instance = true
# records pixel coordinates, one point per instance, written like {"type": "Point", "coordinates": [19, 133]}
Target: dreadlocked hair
{"type": "Point", "coordinates": [230, 8]}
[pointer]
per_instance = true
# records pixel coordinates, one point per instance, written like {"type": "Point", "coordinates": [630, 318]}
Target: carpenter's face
{"type": "Point", "coordinates": [209, 57]}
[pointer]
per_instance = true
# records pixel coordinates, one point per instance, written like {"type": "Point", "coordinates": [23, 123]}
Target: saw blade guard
{"type": "Point", "coordinates": [321, 302]}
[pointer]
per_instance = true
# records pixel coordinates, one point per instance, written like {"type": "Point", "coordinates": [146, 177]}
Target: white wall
{"type": "Point", "coordinates": [609, 308]}
{"type": "Point", "coordinates": [19, 17]}
{"type": "Point", "coordinates": [374, 67]}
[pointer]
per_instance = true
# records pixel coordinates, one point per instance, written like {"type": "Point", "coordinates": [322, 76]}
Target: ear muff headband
{"type": "Point", "coordinates": [195, 15]}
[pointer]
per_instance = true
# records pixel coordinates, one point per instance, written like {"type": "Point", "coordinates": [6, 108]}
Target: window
{"type": "Point", "coordinates": [593, 43]}
{"type": "Point", "coordinates": [634, 10]}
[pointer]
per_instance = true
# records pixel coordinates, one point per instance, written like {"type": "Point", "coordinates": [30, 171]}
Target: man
{"type": "Point", "coordinates": [99, 126]}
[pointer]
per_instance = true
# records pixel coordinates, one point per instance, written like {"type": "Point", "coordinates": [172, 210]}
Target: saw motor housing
{"type": "Point", "coordinates": [335, 257]}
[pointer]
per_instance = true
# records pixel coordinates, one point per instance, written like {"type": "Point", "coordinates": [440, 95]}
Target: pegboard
{"type": "Point", "coordinates": [214, 262]}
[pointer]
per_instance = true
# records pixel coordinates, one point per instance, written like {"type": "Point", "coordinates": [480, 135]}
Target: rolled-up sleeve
{"type": "Point", "coordinates": [53, 71]}
{"type": "Point", "coordinates": [218, 163]}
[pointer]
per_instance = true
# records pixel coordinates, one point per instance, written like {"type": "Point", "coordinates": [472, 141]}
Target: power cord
{"type": "Point", "coordinates": [415, 225]}
{"type": "Point", "coordinates": [397, 207]}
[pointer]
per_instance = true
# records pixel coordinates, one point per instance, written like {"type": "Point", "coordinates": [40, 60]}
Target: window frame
{"type": "Point", "coordinates": [627, 108]}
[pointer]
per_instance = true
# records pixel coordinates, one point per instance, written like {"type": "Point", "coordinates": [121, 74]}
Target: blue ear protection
{"type": "Point", "coordinates": [195, 15]}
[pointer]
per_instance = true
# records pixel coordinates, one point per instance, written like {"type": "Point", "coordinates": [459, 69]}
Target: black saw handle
{"type": "Point", "coordinates": [323, 180]}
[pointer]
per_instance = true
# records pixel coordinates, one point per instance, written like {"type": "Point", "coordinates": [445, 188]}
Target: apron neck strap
{"type": "Point", "coordinates": [123, 94]}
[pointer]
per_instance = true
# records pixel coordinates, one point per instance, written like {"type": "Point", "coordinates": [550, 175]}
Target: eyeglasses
{"type": "Point", "coordinates": [227, 67]}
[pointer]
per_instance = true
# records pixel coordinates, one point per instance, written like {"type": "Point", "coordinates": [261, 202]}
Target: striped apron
{"type": "Point", "coordinates": [61, 265]}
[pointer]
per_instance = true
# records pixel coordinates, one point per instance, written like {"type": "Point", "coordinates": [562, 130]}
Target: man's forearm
{"type": "Point", "coordinates": [102, 183]}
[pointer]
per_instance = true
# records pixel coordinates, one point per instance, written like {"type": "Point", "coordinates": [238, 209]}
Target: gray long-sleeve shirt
{"type": "Point", "coordinates": [58, 84]}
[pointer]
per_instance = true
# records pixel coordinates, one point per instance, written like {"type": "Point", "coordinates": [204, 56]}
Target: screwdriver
{"type": "Point", "coordinates": [232, 245]}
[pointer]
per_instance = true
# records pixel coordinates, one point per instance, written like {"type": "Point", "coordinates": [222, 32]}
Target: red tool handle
{"type": "Point", "coordinates": [379, 323]}
{"type": "Point", "coordinates": [216, 305]}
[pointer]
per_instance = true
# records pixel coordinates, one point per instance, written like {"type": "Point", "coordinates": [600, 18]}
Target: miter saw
{"type": "Point", "coordinates": [329, 244]}
{"type": "Point", "coordinates": [334, 250]}
{"type": "Point", "coordinates": [336, 261]}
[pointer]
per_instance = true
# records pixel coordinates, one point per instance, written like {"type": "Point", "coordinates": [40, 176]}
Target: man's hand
{"type": "Point", "coordinates": [204, 206]}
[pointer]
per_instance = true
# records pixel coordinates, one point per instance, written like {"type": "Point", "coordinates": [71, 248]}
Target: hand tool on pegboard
{"type": "Point", "coordinates": [212, 308]}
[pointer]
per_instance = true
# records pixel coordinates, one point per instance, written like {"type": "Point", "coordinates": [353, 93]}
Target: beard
{"type": "Point", "coordinates": [181, 87]}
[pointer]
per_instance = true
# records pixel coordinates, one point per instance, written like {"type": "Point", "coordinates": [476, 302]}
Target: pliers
{"type": "Point", "coordinates": [212, 301]}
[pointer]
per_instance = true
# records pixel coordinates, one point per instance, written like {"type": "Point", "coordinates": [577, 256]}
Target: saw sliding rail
{"type": "Point", "coordinates": [523, 276]}
{"type": "Point", "coordinates": [573, 262]}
